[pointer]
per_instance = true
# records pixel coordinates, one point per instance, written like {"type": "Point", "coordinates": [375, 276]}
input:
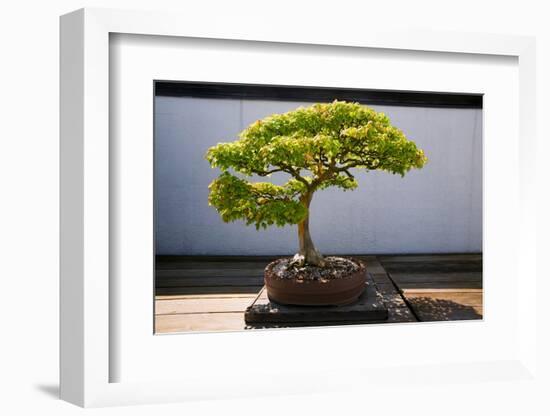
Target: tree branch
{"type": "Point", "coordinates": [270, 197]}
{"type": "Point", "coordinates": [295, 174]}
{"type": "Point", "coordinates": [347, 172]}
{"type": "Point", "coordinates": [327, 174]}
{"type": "Point", "coordinates": [345, 167]}
{"type": "Point", "coordinates": [266, 172]}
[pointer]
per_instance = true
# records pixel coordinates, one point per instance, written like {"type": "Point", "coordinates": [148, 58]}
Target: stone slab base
{"type": "Point", "coordinates": [368, 308]}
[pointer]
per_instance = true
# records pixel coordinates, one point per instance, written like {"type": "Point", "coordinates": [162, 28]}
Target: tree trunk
{"type": "Point", "coordinates": [308, 254]}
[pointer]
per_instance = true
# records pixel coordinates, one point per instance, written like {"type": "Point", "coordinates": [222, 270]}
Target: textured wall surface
{"type": "Point", "coordinates": [436, 209]}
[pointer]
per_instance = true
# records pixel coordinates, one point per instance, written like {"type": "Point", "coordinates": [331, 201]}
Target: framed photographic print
{"type": "Point", "coordinates": [279, 206]}
{"type": "Point", "coordinates": [210, 276]}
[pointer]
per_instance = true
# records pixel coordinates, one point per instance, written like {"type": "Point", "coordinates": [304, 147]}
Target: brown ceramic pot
{"type": "Point", "coordinates": [334, 292]}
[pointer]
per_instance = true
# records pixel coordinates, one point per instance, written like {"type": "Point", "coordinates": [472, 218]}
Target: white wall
{"type": "Point", "coordinates": [436, 209]}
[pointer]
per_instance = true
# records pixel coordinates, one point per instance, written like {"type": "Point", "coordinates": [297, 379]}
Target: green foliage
{"type": "Point", "coordinates": [317, 146]}
{"type": "Point", "coordinates": [260, 203]}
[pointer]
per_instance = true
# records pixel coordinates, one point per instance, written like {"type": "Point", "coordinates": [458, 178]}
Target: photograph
{"type": "Point", "coordinates": [276, 208]}
{"type": "Point", "coordinates": [280, 206]}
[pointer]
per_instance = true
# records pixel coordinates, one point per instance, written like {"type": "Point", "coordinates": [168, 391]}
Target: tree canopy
{"type": "Point", "coordinates": [317, 147]}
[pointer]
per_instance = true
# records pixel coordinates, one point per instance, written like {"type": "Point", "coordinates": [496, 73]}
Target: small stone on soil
{"type": "Point", "coordinates": [335, 268]}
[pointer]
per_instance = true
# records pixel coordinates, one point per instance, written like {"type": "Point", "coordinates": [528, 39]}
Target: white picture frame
{"type": "Point", "coordinates": [87, 355]}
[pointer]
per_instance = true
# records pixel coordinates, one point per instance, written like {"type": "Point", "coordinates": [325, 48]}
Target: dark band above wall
{"type": "Point", "coordinates": [317, 94]}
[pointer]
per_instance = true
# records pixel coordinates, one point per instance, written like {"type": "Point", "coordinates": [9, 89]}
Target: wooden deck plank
{"type": "Point", "coordinates": [432, 267]}
{"type": "Point", "coordinates": [436, 277]}
{"type": "Point", "coordinates": [199, 322]}
{"type": "Point", "coordinates": [203, 290]}
{"type": "Point", "coordinates": [211, 281]}
{"type": "Point", "coordinates": [438, 306]}
{"type": "Point", "coordinates": [444, 311]}
{"type": "Point", "coordinates": [198, 305]}
{"type": "Point", "coordinates": [467, 257]}
{"type": "Point", "coordinates": [433, 281]}
{"type": "Point", "coordinates": [160, 259]}
{"type": "Point", "coordinates": [473, 298]}
{"type": "Point", "coordinates": [441, 290]}
{"type": "Point", "coordinates": [206, 296]}
{"type": "Point", "coordinates": [211, 272]}
{"type": "Point", "coordinates": [214, 265]}
{"type": "Point", "coordinates": [432, 286]}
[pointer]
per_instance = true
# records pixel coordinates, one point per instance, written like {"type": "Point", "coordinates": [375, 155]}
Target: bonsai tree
{"type": "Point", "coordinates": [318, 147]}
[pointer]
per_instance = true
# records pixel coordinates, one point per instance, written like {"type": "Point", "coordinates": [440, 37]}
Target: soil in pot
{"type": "Point", "coordinates": [340, 282]}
